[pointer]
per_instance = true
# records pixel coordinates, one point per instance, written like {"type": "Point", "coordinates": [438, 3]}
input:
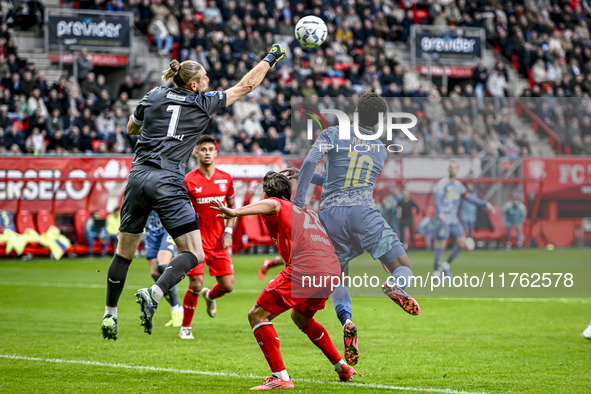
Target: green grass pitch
{"type": "Point", "coordinates": [50, 342]}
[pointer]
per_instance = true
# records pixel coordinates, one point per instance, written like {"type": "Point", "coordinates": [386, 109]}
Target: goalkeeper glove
{"type": "Point", "coordinates": [276, 53]}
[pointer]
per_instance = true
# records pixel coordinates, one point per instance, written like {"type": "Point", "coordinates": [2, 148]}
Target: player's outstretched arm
{"type": "Point", "coordinates": [294, 173]}
{"type": "Point", "coordinates": [478, 201]}
{"type": "Point", "coordinates": [262, 207]}
{"type": "Point", "coordinates": [255, 76]}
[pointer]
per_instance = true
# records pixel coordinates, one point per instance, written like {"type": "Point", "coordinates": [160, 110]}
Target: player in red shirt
{"type": "Point", "coordinates": [206, 184]}
{"type": "Point", "coordinates": [308, 253]}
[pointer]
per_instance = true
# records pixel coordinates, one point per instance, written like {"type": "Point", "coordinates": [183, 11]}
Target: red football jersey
{"type": "Point", "coordinates": [202, 192]}
{"type": "Point", "coordinates": [302, 240]}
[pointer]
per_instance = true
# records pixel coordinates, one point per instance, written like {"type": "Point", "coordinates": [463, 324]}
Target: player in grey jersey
{"type": "Point", "coordinates": [170, 121]}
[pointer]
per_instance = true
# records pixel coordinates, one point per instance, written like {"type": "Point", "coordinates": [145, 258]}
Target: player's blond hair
{"type": "Point", "coordinates": [182, 74]}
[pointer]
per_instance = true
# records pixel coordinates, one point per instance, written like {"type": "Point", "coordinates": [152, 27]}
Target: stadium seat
{"type": "Point", "coordinates": [255, 231]}
{"type": "Point", "coordinates": [96, 144]}
{"type": "Point", "coordinates": [79, 222]}
{"type": "Point", "coordinates": [175, 50]}
{"type": "Point", "coordinates": [24, 220]}
{"type": "Point", "coordinates": [44, 220]}
{"type": "Point", "coordinates": [499, 230]}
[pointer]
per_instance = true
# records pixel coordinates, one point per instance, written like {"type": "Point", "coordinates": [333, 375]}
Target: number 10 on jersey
{"type": "Point", "coordinates": [355, 168]}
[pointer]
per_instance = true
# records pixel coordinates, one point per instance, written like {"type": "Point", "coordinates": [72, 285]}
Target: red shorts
{"type": "Point", "coordinates": [276, 298]}
{"type": "Point", "coordinates": [218, 261]}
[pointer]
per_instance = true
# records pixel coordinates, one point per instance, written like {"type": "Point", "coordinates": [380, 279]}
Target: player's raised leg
{"type": "Point", "coordinates": [401, 278]}
{"type": "Point", "coordinates": [269, 263]}
{"type": "Point", "coordinates": [266, 336]}
{"type": "Point", "coordinates": [224, 285]}
{"type": "Point", "coordinates": [318, 335]}
{"type": "Point", "coordinates": [116, 275]}
{"type": "Point", "coordinates": [341, 301]}
{"type": "Point", "coordinates": [190, 254]}
{"type": "Point", "coordinates": [459, 246]}
{"type": "Point", "coordinates": [172, 295]}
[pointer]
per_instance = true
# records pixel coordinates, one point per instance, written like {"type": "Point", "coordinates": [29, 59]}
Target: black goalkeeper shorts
{"type": "Point", "coordinates": [162, 191]}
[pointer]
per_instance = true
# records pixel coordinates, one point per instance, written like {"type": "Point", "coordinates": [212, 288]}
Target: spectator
{"type": "Point", "coordinates": [84, 65]}
{"type": "Point", "coordinates": [36, 142]}
{"type": "Point", "coordinates": [123, 103]}
{"type": "Point", "coordinates": [127, 86]}
{"type": "Point", "coordinates": [252, 125]}
{"type": "Point", "coordinates": [36, 102]}
{"type": "Point", "coordinates": [54, 122]}
{"type": "Point", "coordinates": [92, 231]}
{"type": "Point", "coordinates": [5, 121]}
{"type": "Point", "coordinates": [160, 34]}
{"type": "Point", "coordinates": [56, 141]}
{"type": "Point", "coordinates": [89, 87]}
{"type": "Point", "coordinates": [119, 142]}
{"type": "Point", "coordinates": [388, 207]}
{"type": "Point", "coordinates": [15, 85]}
{"type": "Point", "coordinates": [28, 83]}
{"type": "Point", "coordinates": [120, 118]}
{"type": "Point", "coordinates": [497, 86]}
{"type": "Point", "coordinates": [272, 143]}
{"type": "Point", "coordinates": [102, 103]}
{"type": "Point", "coordinates": [101, 84]}
{"type": "Point", "coordinates": [14, 138]}
{"type": "Point", "coordinates": [514, 214]}
{"type": "Point", "coordinates": [85, 119]}
{"type": "Point", "coordinates": [428, 227]}
{"type": "Point", "coordinates": [105, 123]}
{"type": "Point", "coordinates": [74, 140]}
{"type": "Point", "coordinates": [86, 139]}
{"type": "Point", "coordinates": [55, 102]}
{"type": "Point", "coordinates": [13, 64]}
{"type": "Point", "coordinates": [4, 69]}
{"type": "Point", "coordinates": [407, 219]}
{"type": "Point", "coordinates": [109, 233]}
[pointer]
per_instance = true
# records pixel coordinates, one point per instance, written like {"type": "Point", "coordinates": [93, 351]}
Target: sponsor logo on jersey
{"type": "Point", "coordinates": [174, 96]}
{"type": "Point", "coordinates": [222, 184]}
{"type": "Point", "coordinates": [209, 200]}
{"type": "Point", "coordinates": [198, 189]}
{"type": "Point", "coordinates": [212, 93]}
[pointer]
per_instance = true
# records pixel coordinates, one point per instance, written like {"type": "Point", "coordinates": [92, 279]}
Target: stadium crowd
{"type": "Point", "coordinates": [228, 37]}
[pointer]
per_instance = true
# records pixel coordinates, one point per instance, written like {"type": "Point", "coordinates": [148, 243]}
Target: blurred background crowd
{"type": "Point", "coordinates": [548, 42]}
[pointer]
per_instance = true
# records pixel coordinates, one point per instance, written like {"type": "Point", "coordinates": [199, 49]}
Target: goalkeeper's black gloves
{"type": "Point", "coordinates": [276, 53]}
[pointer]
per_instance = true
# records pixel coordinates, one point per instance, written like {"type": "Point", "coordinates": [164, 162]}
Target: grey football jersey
{"type": "Point", "coordinates": [173, 120]}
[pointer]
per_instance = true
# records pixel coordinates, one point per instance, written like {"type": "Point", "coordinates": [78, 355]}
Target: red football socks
{"type": "Point", "coordinates": [189, 304]}
{"type": "Point", "coordinates": [215, 292]}
{"type": "Point", "coordinates": [267, 339]}
{"type": "Point", "coordinates": [319, 337]}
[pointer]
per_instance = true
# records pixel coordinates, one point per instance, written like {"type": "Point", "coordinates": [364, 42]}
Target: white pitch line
{"type": "Point", "coordinates": [253, 291]}
{"type": "Point", "coordinates": [225, 374]}
{"type": "Point", "coordinates": [92, 286]}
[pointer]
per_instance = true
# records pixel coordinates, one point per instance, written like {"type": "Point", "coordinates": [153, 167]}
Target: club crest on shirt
{"type": "Point", "coordinates": [223, 187]}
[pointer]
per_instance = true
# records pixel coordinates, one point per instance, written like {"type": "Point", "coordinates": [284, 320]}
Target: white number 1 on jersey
{"type": "Point", "coordinates": [174, 119]}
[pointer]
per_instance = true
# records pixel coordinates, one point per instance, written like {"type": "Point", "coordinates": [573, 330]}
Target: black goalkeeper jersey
{"type": "Point", "coordinates": [172, 121]}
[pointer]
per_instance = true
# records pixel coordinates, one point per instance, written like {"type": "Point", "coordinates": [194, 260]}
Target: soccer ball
{"type": "Point", "coordinates": [311, 31]}
{"type": "Point", "coordinates": [470, 244]}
